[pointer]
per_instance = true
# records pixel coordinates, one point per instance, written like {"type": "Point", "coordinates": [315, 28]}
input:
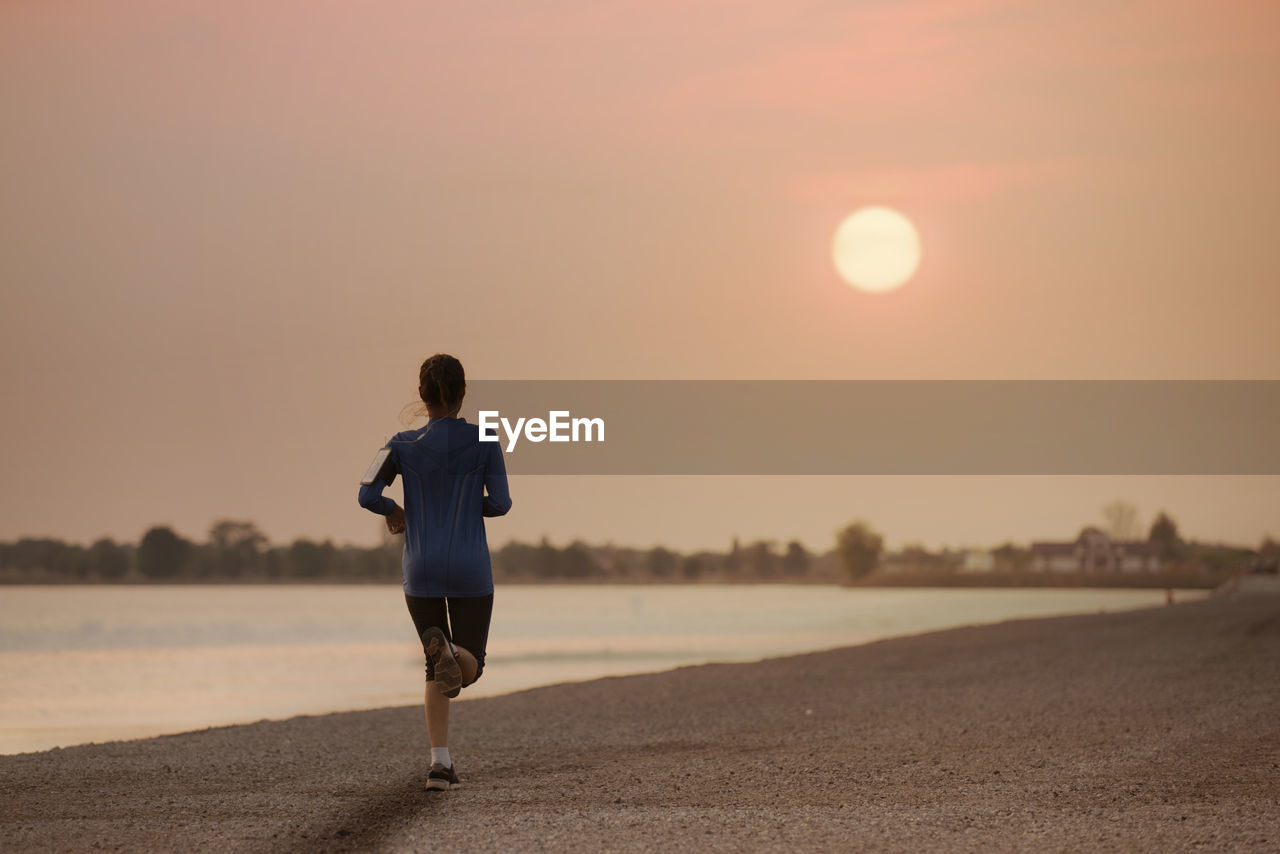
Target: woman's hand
{"type": "Point", "coordinates": [395, 521]}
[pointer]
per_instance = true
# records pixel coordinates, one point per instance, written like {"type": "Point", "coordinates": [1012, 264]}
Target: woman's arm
{"type": "Point", "coordinates": [498, 499]}
{"type": "Point", "coordinates": [371, 497]}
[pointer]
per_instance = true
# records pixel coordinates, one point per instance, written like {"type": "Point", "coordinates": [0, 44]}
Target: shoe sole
{"type": "Point", "coordinates": [448, 673]}
{"type": "Point", "coordinates": [441, 785]}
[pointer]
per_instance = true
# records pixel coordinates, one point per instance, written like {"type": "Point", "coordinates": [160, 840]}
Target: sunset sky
{"type": "Point", "coordinates": [229, 233]}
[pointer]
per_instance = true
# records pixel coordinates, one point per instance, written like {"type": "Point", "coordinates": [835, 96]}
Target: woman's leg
{"type": "Point", "coordinates": [437, 709]}
{"type": "Point", "coordinates": [467, 632]}
{"type": "Point", "coordinates": [467, 663]}
{"type": "Point", "coordinates": [429, 612]}
{"type": "Point", "coordinates": [469, 624]}
{"type": "Point", "coordinates": [437, 704]}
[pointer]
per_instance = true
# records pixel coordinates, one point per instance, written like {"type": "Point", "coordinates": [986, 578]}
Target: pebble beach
{"type": "Point", "coordinates": [1150, 730]}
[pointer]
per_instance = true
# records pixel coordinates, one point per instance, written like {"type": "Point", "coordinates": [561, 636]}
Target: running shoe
{"type": "Point", "coordinates": [448, 673]}
{"type": "Point", "coordinates": [442, 779]}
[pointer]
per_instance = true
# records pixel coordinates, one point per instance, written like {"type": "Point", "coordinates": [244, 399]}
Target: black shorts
{"type": "Point", "coordinates": [465, 621]}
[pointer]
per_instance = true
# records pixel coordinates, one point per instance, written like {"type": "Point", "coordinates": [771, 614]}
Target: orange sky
{"type": "Point", "coordinates": [232, 230]}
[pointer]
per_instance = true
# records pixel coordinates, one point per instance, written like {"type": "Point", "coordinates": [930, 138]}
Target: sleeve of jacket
{"type": "Point", "coordinates": [497, 499]}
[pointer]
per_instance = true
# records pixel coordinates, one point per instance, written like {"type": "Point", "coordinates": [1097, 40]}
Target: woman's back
{"type": "Point", "coordinates": [446, 470]}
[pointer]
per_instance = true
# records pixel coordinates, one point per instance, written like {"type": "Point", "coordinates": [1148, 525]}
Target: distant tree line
{"type": "Point", "coordinates": [238, 550]}
{"type": "Point", "coordinates": [234, 550]}
{"type": "Point", "coordinates": [761, 560]}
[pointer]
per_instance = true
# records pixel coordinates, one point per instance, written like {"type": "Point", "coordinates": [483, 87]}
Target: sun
{"type": "Point", "coordinates": [876, 249]}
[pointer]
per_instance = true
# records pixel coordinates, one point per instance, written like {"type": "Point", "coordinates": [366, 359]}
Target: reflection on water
{"type": "Point", "coordinates": [98, 663]}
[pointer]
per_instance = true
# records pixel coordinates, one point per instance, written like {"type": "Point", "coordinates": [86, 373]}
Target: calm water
{"type": "Point", "coordinates": [81, 664]}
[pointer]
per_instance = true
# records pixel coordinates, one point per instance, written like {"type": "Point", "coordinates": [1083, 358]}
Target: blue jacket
{"type": "Point", "coordinates": [447, 470]}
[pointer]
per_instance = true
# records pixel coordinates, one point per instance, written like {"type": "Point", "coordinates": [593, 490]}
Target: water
{"type": "Point", "coordinates": [100, 663]}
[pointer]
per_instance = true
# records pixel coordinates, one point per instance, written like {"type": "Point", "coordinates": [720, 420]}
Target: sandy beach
{"type": "Point", "coordinates": [1143, 731]}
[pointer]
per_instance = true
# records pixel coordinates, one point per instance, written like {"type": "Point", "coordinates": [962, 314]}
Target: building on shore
{"type": "Point", "coordinates": [1094, 551]}
{"type": "Point", "coordinates": [978, 560]}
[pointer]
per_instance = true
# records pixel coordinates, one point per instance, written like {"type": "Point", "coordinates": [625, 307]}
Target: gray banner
{"type": "Point", "coordinates": [815, 427]}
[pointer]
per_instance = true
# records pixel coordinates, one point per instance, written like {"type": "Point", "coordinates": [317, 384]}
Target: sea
{"type": "Point", "coordinates": [81, 664]}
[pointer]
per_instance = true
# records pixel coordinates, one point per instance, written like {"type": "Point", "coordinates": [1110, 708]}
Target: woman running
{"type": "Point", "coordinates": [452, 481]}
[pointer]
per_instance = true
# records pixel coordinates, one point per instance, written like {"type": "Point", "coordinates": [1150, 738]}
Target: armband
{"type": "Point", "coordinates": [380, 469]}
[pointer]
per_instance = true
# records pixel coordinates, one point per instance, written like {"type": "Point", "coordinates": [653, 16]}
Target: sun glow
{"type": "Point", "coordinates": [876, 249]}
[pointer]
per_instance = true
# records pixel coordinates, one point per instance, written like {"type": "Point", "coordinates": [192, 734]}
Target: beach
{"type": "Point", "coordinates": [1148, 730]}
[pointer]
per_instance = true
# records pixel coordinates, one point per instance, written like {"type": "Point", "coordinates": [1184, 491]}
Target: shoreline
{"type": "Point", "coordinates": [1143, 730]}
{"type": "Point", "coordinates": [991, 580]}
{"type": "Point", "coordinates": [30, 733]}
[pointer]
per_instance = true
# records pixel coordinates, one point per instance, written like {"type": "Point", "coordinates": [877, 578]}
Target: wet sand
{"type": "Point", "coordinates": [1153, 730]}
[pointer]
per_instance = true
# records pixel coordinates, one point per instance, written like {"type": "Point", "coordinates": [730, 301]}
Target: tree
{"type": "Point", "coordinates": [661, 562]}
{"type": "Point", "coordinates": [236, 546]}
{"type": "Point", "coordinates": [1011, 557]}
{"type": "Point", "coordinates": [43, 553]}
{"type": "Point", "coordinates": [548, 565]}
{"type": "Point", "coordinates": [1268, 556]}
{"type": "Point", "coordinates": [1122, 520]}
{"type": "Point", "coordinates": [308, 559]}
{"type": "Point", "coordinates": [576, 561]}
{"type": "Point", "coordinates": [796, 560]}
{"type": "Point", "coordinates": [517, 559]}
{"type": "Point", "coordinates": [733, 560]}
{"type": "Point", "coordinates": [162, 553]}
{"type": "Point", "coordinates": [691, 566]}
{"type": "Point", "coordinates": [761, 560]}
{"type": "Point", "coordinates": [859, 548]}
{"type": "Point", "coordinates": [1164, 536]}
{"type": "Point", "coordinates": [109, 560]}
{"type": "Point", "coordinates": [916, 557]}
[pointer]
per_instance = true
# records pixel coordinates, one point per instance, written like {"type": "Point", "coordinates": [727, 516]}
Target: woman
{"type": "Point", "coordinates": [452, 481]}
